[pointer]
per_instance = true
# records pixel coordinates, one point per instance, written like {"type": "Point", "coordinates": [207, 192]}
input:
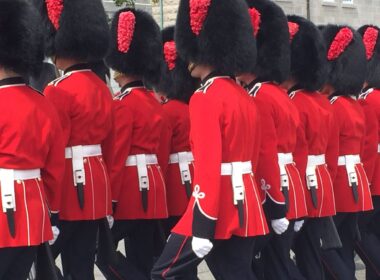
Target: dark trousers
{"type": "Point", "coordinates": [15, 263]}
{"type": "Point", "coordinates": [77, 245]}
{"type": "Point", "coordinates": [368, 248]}
{"type": "Point", "coordinates": [139, 237]}
{"type": "Point", "coordinates": [339, 263]}
{"type": "Point", "coordinates": [228, 260]}
{"type": "Point", "coordinates": [276, 257]}
{"type": "Point", "coordinates": [307, 248]}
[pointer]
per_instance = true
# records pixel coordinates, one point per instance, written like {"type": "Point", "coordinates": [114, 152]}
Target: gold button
{"type": "Point", "coordinates": [85, 160]}
{"type": "Point", "coordinates": [18, 181]}
{"type": "Point", "coordinates": [39, 179]}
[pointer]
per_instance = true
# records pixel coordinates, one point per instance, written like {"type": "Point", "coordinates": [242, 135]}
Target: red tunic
{"type": "Point", "coordinates": [279, 122]}
{"type": "Point", "coordinates": [178, 114]}
{"type": "Point", "coordinates": [370, 101]}
{"type": "Point", "coordinates": [223, 126]}
{"type": "Point", "coordinates": [351, 126]}
{"type": "Point", "coordinates": [31, 138]}
{"type": "Point", "coordinates": [84, 104]}
{"type": "Point", "coordinates": [313, 137]}
{"type": "Point", "coordinates": [139, 125]}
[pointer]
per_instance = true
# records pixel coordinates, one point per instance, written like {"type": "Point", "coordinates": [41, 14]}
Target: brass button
{"type": "Point", "coordinates": [18, 181]}
{"type": "Point", "coordinates": [85, 160]}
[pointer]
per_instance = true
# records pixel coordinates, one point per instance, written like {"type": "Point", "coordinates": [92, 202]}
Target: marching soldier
{"type": "Point", "coordinates": [277, 174]}
{"type": "Point", "coordinates": [31, 146]}
{"type": "Point", "coordinates": [308, 75]}
{"type": "Point", "coordinates": [177, 86]}
{"type": "Point", "coordinates": [345, 53]}
{"type": "Point", "coordinates": [76, 35]}
{"type": "Point", "coordinates": [139, 189]}
{"type": "Point", "coordinates": [369, 246]}
{"type": "Point", "coordinates": [224, 213]}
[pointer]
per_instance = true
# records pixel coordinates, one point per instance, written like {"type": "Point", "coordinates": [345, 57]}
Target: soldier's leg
{"type": "Point", "coordinates": [258, 259]}
{"type": "Point", "coordinates": [177, 261]}
{"type": "Point", "coordinates": [81, 256]}
{"type": "Point", "coordinates": [231, 259]}
{"type": "Point", "coordinates": [15, 263]}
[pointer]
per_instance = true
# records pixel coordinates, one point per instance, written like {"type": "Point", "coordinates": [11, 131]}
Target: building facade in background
{"type": "Point", "coordinates": [352, 12]}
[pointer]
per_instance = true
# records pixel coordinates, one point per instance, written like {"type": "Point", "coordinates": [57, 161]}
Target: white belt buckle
{"type": "Point", "coordinates": [142, 172]}
{"type": "Point", "coordinates": [183, 161]}
{"type": "Point", "coordinates": [350, 168]}
{"type": "Point", "coordinates": [8, 198]}
{"type": "Point", "coordinates": [78, 165]}
{"type": "Point", "coordinates": [237, 182]}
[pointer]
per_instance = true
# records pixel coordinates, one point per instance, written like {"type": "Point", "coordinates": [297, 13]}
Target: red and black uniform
{"type": "Point", "coordinates": [313, 138]}
{"type": "Point", "coordinates": [140, 124]}
{"type": "Point", "coordinates": [32, 149]}
{"type": "Point", "coordinates": [86, 116]}
{"type": "Point", "coordinates": [221, 117]}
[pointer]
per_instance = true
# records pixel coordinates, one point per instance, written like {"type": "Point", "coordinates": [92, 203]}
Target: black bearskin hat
{"type": "Point", "coordinates": [371, 40]}
{"type": "Point", "coordinates": [272, 36]}
{"type": "Point", "coordinates": [216, 33]}
{"type": "Point", "coordinates": [21, 41]}
{"type": "Point", "coordinates": [308, 54]}
{"type": "Point", "coordinates": [346, 59]}
{"type": "Point", "coordinates": [136, 46]}
{"type": "Point", "coordinates": [176, 81]}
{"type": "Point", "coordinates": [76, 29]}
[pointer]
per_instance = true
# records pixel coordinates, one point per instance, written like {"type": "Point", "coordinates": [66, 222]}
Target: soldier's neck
{"type": "Point", "coordinates": [65, 63]}
{"type": "Point", "coordinates": [5, 74]}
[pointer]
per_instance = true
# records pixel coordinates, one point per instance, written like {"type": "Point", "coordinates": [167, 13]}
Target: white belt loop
{"type": "Point", "coordinates": [378, 148]}
{"type": "Point", "coordinates": [142, 172]}
{"type": "Point", "coordinates": [237, 182]}
{"type": "Point", "coordinates": [312, 162]}
{"type": "Point", "coordinates": [283, 160]}
{"type": "Point", "coordinates": [183, 161]}
{"type": "Point", "coordinates": [349, 161]}
{"type": "Point", "coordinates": [8, 198]}
{"type": "Point", "coordinates": [78, 165]}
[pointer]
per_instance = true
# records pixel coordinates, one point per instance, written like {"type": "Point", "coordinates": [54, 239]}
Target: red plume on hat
{"type": "Point", "coordinates": [170, 54]}
{"type": "Point", "coordinates": [293, 29]}
{"type": "Point", "coordinates": [198, 14]}
{"type": "Point", "coordinates": [255, 19]}
{"type": "Point", "coordinates": [342, 39]}
{"type": "Point", "coordinates": [369, 39]}
{"type": "Point", "coordinates": [54, 10]}
{"type": "Point", "coordinates": [125, 30]}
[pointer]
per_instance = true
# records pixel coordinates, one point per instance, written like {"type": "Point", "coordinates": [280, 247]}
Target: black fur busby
{"type": "Point", "coordinates": [176, 81]}
{"type": "Point", "coordinates": [136, 46]}
{"type": "Point", "coordinates": [346, 59]}
{"type": "Point", "coordinates": [75, 29]}
{"type": "Point", "coordinates": [216, 33]}
{"type": "Point", "coordinates": [308, 54]}
{"type": "Point", "coordinates": [21, 41]}
{"type": "Point", "coordinates": [273, 58]}
{"type": "Point", "coordinates": [371, 40]}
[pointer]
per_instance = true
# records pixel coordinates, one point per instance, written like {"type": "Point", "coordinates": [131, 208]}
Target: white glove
{"type": "Point", "coordinates": [110, 220]}
{"type": "Point", "coordinates": [298, 225]}
{"type": "Point", "coordinates": [280, 225]}
{"type": "Point", "coordinates": [56, 232]}
{"type": "Point", "coordinates": [201, 246]}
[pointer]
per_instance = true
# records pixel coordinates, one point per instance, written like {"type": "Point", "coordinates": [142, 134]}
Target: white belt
{"type": "Point", "coordinates": [236, 170]}
{"type": "Point", "coordinates": [142, 161]}
{"type": "Point", "coordinates": [7, 178]}
{"type": "Point", "coordinates": [283, 160]}
{"type": "Point", "coordinates": [77, 153]}
{"type": "Point", "coordinates": [183, 159]}
{"type": "Point", "coordinates": [378, 148]}
{"type": "Point", "coordinates": [349, 161]}
{"type": "Point", "coordinates": [312, 162]}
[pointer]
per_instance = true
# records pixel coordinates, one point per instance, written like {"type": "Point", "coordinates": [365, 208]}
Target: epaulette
{"type": "Point", "coordinates": [255, 89]}
{"type": "Point", "coordinates": [364, 94]}
{"type": "Point", "coordinates": [60, 79]}
{"type": "Point", "coordinates": [123, 94]}
{"type": "Point", "coordinates": [333, 99]}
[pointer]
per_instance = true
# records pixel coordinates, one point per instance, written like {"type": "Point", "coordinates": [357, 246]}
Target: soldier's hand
{"type": "Point", "coordinates": [298, 225]}
{"type": "Point", "coordinates": [56, 232]}
{"type": "Point", "coordinates": [280, 225]}
{"type": "Point", "coordinates": [110, 220]}
{"type": "Point", "coordinates": [201, 246]}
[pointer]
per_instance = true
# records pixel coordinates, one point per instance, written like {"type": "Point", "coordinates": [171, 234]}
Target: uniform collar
{"type": "Point", "coordinates": [12, 81]}
{"type": "Point", "coordinates": [294, 89]}
{"type": "Point", "coordinates": [213, 75]}
{"type": "Point", "coordinates": [78, 67]}
{"type": "Point", "coordinates": [134, 84]}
